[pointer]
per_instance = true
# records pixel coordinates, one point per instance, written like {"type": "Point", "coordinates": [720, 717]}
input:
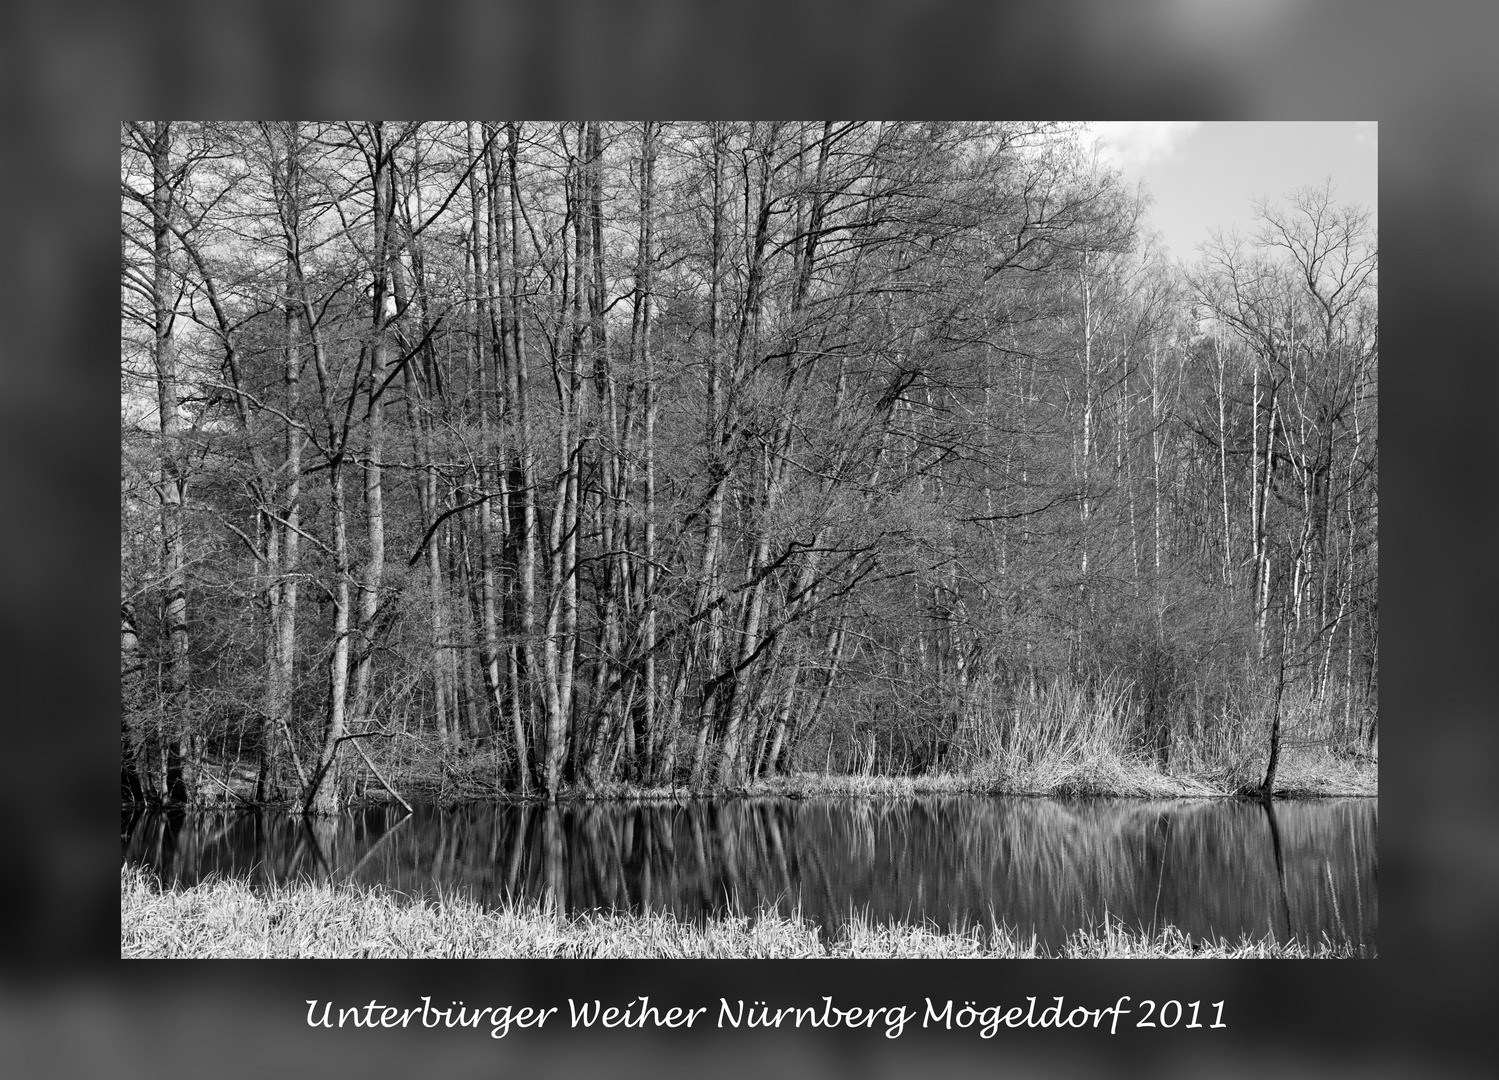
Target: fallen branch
{"type": "Point", "coordinates": [381, 776]}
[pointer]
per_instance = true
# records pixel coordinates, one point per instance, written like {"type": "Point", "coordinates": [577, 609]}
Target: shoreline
{"type": "Point", "coordinates": [1321, 778]}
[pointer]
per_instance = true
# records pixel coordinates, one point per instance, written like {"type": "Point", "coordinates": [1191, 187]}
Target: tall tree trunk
{"type": "Point", "coordinates": [518, 386]}
{"type": "Point", "coordinates": [272, 782]}
{"type": "Point", "coordinates": [484, 362]}
{"type": "Point", "coordinates": [502, 317]}
{"type": "Point", "coordinates": [1262, 602]}
{"type": "Point", "coordinates": [694, 651]}
{"type": "Point", "coordinates": [420, 413]}
{"type": "Point", "coordinates": [564, 543]}
{"type": "Point", "coordinates": [611, 731]}
{"type": "Point", "coordinates": [384, 305]}
{"type": "Point", "coordinates": [728, 699]}
{"type": "Point", "coordinates": [1084, 467]}
{"type": "Point", "coordinates": [778, 450]}
{"type": "Point", "coordinates": [181, 742]}
{"type": "Point", "coordinates": [643, 282]}
{"type": "Point", "coordinates": [320, 793]}
{"type": "Point", "coordinates": [1222, 365]}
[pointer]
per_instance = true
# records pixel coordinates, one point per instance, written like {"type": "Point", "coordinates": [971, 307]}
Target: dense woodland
{"type": "Point", "coordinates": [560, 455]}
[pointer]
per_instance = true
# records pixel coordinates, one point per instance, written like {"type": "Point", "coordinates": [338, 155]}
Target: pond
{"type": "Point", "coordinates": [1306, 870]}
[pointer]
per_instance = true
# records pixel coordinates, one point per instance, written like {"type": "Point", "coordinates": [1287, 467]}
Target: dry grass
{"type": "Point", "coordinates": [1102, 777]}
{"type": "Point", "coordinates": [1063, 738]}
{"type": "Point", "coordinates": [228, 919]}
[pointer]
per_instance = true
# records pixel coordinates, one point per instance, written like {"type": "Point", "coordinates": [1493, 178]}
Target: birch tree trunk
{"type": "Point", "coordinates": [1222, 371]}
{"type": "Point", "coordinates": [384, 305]}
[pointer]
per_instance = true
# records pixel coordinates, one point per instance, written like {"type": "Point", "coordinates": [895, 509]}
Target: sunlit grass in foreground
{"type": "Point", "coordinates": [229, 919]}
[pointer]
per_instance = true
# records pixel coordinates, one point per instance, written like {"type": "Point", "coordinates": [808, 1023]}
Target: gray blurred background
{"type": "Point", "coordinates": [71, 71]}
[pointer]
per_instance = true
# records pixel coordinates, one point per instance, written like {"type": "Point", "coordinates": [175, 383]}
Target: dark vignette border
{"type": "Point", "coordinates": [66, 1002]}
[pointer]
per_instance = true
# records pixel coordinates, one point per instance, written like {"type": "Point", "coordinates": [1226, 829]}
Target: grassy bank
{"type": "Point", "coordinates": [473, 780]}
{"type": "Point", "coordinates": [1303, 773]}
{"type": "Point", "coordinates": [227, 919]}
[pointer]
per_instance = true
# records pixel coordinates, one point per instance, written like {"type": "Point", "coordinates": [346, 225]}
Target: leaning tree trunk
{"type": "Point", "coordinates": [320, 794]}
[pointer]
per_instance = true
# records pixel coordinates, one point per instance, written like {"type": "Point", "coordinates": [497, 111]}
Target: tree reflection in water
{"type": "Point", "coordinates": [1042, 866]}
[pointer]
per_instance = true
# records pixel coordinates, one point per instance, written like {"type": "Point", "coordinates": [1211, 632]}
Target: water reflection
{"type": "Point", "coordinates": [1304, 870]}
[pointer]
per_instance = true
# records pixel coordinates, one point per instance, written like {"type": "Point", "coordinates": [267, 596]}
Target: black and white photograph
{"type": "Point", "coordinates": [749, 539]}
{"type": "Point", "coordinates": [991, 557]}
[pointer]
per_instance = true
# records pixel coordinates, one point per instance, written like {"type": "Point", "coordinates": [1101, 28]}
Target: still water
{"type": "Point", "coordinates": [1307, 870]}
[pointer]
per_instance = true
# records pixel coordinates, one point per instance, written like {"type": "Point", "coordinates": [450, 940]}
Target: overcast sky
{"type": "Point", "coordinates": [1202, 176]}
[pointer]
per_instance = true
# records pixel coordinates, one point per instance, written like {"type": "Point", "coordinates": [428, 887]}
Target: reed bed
{"type": "Point", "coordinates": [223, 919]}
